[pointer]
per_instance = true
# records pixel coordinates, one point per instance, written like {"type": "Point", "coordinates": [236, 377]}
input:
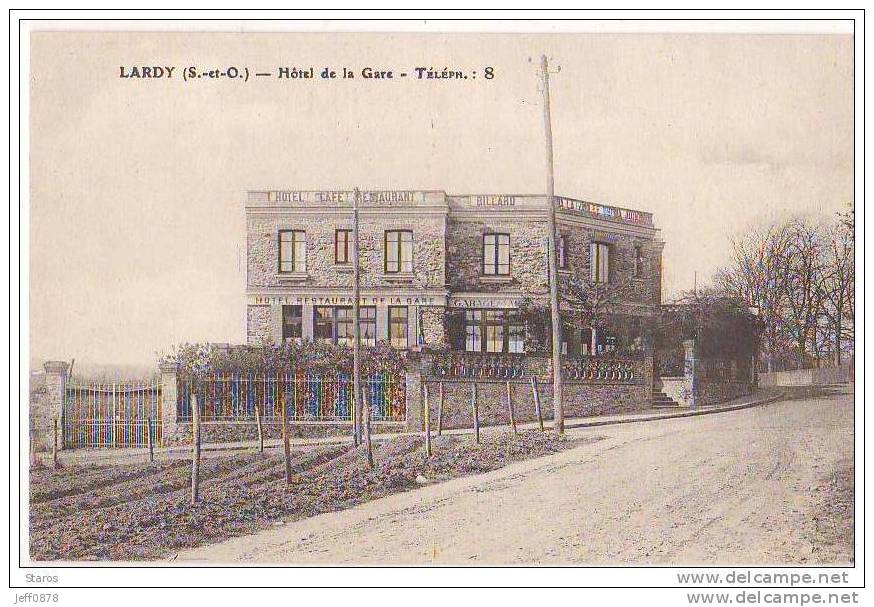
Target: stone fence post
{"type": "Point", "coordinates": [169, 373]}
{"type": "Point", "coordinates": [649, 376]}
{"type": "Point", "coordinates": [691, 371]}
{"type": "Point", "coordinates": [414, 379]}
{"type": "Point", "coordinates": [56, 393]}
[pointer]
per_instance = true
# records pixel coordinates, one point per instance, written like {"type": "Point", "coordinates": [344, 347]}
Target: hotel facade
{"type": "Point", "coordinates": [427, 257]}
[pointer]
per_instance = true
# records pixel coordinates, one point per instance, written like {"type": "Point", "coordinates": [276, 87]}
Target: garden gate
{"type": "Point", "coordinates": [111, 415]}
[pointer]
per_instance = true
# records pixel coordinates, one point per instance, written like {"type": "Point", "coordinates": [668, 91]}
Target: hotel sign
{"type": "Point", "coordinates": [373, 197]}
{"type": "Point", "coordinates": [484, 301]}
{"type": "Point", "coordinates": [492, 200]}
{"type": "Point", "coordinates": [344, 300]}
{"type": "Point", "coordinates": [603, 211]}
{"type": "Point", "coordinates": [601, 236]}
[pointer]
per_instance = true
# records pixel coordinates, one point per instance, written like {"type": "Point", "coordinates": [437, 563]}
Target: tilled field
{"type": "Point", "coordinates": [142, 511]}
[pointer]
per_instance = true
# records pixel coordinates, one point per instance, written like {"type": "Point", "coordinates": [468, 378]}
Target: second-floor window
{"type": "Point", "coordinates": [398, 251]}
{"type": "Point", "coordinates": [638, 261]}
{"type": "Point", "coordinates": [292, 251]}
{"type": "Point", "coordinates": [599, 262]}
{"type": "Point", "coordinates": [496, 254]}
{"type": "Point", "coordinates": [562, 253]}
{"type": "Point", "coordinates": [342, 246]}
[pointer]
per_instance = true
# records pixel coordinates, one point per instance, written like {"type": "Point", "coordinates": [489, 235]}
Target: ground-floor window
{"type": "Point", "coordinates": [578, 342]}
{"type": "Point", "coordinates": [292, 323]}
{"type": "Point", "coordinates": [368, 325]}
{"type": "Point", "coordinates": [494, 331]}
{"type": "Point", "coordinates": [335, 324]}
{"type": "Point", "coordinates": [398, 326]}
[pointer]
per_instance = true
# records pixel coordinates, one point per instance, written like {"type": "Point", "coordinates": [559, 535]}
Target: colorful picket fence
{"type": "Point", "coordinates": [111, 415]}
{"type": "Point", "coordinates": [306, 396]}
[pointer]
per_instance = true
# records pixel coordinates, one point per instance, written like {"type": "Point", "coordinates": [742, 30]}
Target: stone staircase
{"type": "Point", "coordinates": [660, 400]}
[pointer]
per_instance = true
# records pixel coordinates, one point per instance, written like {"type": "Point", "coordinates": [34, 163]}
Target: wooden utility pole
{"type": "Point", "coordinates": [362, 410]}
{"type": "Point", "coordinates": [356, 327]}
{"type": "Point", "coordinates": [555, 314]}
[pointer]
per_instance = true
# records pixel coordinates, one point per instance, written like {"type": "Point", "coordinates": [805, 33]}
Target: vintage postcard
{"type": "Point", "coordinates": [381, 294]}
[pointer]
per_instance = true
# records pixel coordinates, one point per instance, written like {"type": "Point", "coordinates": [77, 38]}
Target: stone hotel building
{"type": "Point", "coordinates": [428, 256]}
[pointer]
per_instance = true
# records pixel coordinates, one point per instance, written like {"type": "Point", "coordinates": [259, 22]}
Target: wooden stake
{"type": "Point", "coordinates": [260, 428]}
{"type": "Point", "coordinates": [195, 449]}
{"type": "Point", "coordinates": [285, 444]}
{"type": "Point", "coordinates": [368, 446]}
{"type": "Point", "coordinates": [55, 442]}
{"type": "Point", "coordinates": [475, 411]}
{"type": "Point", "coordinates": [440, 412]}
{"type": "Point", "coordinates": [149, 439]}
{"type": "Point", "coordinates": [537, 410]}
{"type": "Point", "coordinates": [510, 407]}
{"type": "Point", "coordinates": [427, 424]}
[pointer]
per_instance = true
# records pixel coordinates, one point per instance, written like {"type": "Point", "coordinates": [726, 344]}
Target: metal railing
{"type": "Point", "coordinates": [306, 396]}
{"type": "Point", "coordinates": [111, 415]}
{"type": "Point", "coordinates": [479, 366]}
{"type": "Point", "coordinates": [604, 370]}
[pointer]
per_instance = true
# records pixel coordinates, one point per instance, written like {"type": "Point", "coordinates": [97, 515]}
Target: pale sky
{"type": "Point", "coordinates": [137, 186]}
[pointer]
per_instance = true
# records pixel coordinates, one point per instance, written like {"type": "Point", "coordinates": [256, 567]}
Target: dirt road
{"type": "Point", "coordinates": [747, 487]}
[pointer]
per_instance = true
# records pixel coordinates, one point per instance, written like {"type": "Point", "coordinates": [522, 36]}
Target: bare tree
{"type": "Point", "coordinates": [593, 303]}
{"type": "Point", "coordinates": [800, 275]}
{"type": "Point", "coordinates": [804, 271]}
{"type": "Point", "coordinates": [839, 281]}
{"type": "Point", "coordinates": [756, 275]}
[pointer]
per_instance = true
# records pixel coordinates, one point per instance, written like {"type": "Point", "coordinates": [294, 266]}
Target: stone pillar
{"type": "Point", "coordinates": [56, 392]}
{"type": "Point", "coordinates": [433, 326]}
{"type": "Point", "coordinates": [415, 414]}
{"type": "Point", "coordinates": [691, 371]}
{"type": "Point", "coordinates": [382, 322]}
{"type": "Point", "coordinates": [413, 327]}
{"type": "Point", "coordinates": [306, 321]}
{"type": "Point", "coordinates": [169, 373]}
{"type": "Point", "coordinates": [276, 324]}
{"type": "Point", "coordinates": [649, 376]}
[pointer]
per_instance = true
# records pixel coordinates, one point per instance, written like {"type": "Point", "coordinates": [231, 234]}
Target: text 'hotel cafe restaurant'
{"type": "Point", "coordinates": [428, 257]}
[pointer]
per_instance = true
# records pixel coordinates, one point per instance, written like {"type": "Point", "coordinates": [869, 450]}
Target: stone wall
{"type": "Point", "coordinates": [40, 414]}
{"type": "Point", "coordinates": [224, 431]}
{"type": "Point", "coordinates": [711, 392]}
{"type": "Point", "coordinates": [429, 255]}
{"type": "Point", "coordinates": [580, 400]}
{"type": "Point", "coordinates": [644, 289]}
{"type": "Point", "coordinates": [807, 377]}
{"type": "Point", "coordinates": [528, 262]}
{"type": "Point", "coordinates": [258, 328]}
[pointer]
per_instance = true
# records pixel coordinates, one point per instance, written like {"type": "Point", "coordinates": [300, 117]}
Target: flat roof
{"type": "Point", "coordinates": [495, 202]}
